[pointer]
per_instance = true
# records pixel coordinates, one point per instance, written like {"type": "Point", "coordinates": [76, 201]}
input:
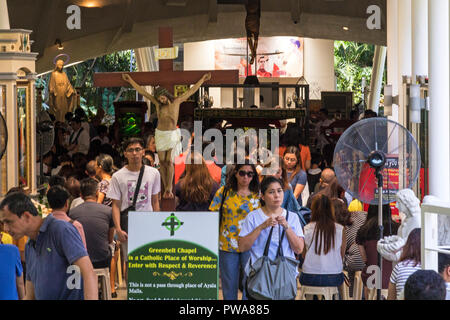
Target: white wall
{"type": "Point", "coordinates": [199, 55]}
{"type": "Point", "coordinates": [318, 66]}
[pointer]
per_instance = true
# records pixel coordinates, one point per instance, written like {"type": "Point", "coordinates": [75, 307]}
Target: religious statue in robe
{"type": "Point", "coordinates": [167, 135]}
{"type": "Point", "coordinates": [409, 205]}
{"type": "Point", "coordinates": [62, 96]}
{"type": "Point", "coordinates": [253, 8]}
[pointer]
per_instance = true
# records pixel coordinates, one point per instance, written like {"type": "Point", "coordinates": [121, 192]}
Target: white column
{"type": "Point", "coordinates": [439, 85]}
{"type": "Point", "coordinates": [145, 61]}
{"type": "Point", "coordinates": [404, 53]}
{"type": "Point", "coordinates": [392, 53]}
{"type": "Point", "coordinates": [4, 17]}
{"type": "Point", "coordinates": [379, 61]}
{"type": "Point", "coordinates": [419, 25]}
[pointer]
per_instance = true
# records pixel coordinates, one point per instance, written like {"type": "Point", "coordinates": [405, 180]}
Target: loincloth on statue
{"type": "Point", "coordinates": [166, 140]}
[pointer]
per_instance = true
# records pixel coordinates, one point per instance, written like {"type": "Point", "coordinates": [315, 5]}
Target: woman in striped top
{"type": "Point", "coordinates": [352, 222]}
{"type": "Point", "coordinates": [408, 264]}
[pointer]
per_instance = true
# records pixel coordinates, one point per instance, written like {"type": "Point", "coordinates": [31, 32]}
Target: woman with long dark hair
{"type": "Point", "coordinates": [234, 201]}
{"type": "Point", "coordinates": [195, 191]}
{"type": "Point", "coordinates": [151, 146]}
{"type": "Point", "coordinates": [367, 238]}
{"type": "Point", "coordinates": [257, 224]}
{"type": "Point", "coordinates": [296, 176]}
{"type": "Point", "coordinates": [410, 262]}
{"type": "Point", "coordinates": [294, 136]}
{"type": "Point", "coordinates": [351, 223]}
{"type": "Point", "coordinates": [325, 244]}
{"type": "Point", "coordinates": [104, 170]}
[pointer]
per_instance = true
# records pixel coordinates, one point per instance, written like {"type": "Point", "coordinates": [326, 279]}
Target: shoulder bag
{"type": "Point", "coordinates": [273, 279]}
{"type": "Point", "coordinates": [224, 195]}
{"type": "Point", "coordinates": [124, 213]}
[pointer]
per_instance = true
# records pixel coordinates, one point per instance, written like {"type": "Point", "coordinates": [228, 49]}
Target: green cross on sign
{"type": "Point", "coordinates": [172, 224]}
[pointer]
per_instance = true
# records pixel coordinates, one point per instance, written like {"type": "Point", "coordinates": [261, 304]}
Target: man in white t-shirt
{"type": "Point", "coordinates": [123, 185]}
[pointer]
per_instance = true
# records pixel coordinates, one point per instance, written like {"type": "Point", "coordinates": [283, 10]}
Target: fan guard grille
{"type": "Point", "coordinates": [376, 134]}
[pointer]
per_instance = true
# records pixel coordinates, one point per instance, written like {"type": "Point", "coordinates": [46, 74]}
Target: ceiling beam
{"type": "Point", "coordinates": [44, 30]}
{"type": "Point", "coordinates": [130, 16]}
{"type": "Point", "coordinates": [127, 23]}
{"type": "Point", "coordinates": [295, 11]}
{"type": "Point", "coordinates": [175, 3]}
{"type": "Point", "coordinates": [213, 11]}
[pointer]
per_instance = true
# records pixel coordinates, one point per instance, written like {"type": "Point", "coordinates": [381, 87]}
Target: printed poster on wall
{"type": "Point", "coordinates": [276, 56]}
{"type": "Point", "coordinates": [173, 255]}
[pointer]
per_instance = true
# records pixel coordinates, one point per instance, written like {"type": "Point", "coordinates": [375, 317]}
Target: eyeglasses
{"type": "Point", "coordinates": [249, 174]}
{"type": "Point", "coordinates": [131, 150]}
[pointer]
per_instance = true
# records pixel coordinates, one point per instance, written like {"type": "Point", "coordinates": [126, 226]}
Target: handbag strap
{"type": "Point", "coordinates": [269, 238]}
{"type": "Point", "coordinates": [224, 195]}
{"type": "Point", "coordinates": [266, 248]}
{"type": "Point", "coordinates": [76, 139]}
{"type": "Point", "coordinates": [138, 185]}
{"type": "Point", "coordinates": [280, 247]}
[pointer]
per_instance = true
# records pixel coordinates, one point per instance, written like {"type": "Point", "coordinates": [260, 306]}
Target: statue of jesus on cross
{"type": "Point", "coordinates": [167, 135]}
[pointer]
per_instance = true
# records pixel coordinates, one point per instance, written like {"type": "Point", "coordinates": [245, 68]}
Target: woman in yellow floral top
{"type": "Point", "coordinates": [241, 197]}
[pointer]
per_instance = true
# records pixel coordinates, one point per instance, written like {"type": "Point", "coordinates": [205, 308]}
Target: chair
{"type": "Point", "coordinates": [357, 286]}
{"type": "Point", "coordinates": [373, 294]}
{"type": "Point", "coordinates": [326, 292]}
{"type": "Point", "coordinates": [105, 283]}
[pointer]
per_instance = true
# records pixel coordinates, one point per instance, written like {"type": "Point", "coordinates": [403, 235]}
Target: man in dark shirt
{"type": "Point", "coordinates": [58, 266]}
{"type": "Point", "coordinates": [314, 172]}
{"type": "Point", "coordinates": [326, 177]}
{"type": "Point", "coordinates": [97, 222]}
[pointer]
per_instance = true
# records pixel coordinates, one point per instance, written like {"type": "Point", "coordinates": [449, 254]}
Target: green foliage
{"type": "Point", "coordinates": [353, 62]}
{"type": "Point", "coordinates": [81, 78]}
{"type": "Point", "coordinates": [81, 75]}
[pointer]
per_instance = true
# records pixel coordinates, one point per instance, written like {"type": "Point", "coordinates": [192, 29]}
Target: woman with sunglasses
{"type": "Point", "coordinates": [234, 201]}
{"type": "Point", "coordinates": [257, 225]}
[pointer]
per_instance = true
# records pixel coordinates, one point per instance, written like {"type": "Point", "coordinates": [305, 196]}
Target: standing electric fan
{"type": "Point", "coordinates": [373, 160]}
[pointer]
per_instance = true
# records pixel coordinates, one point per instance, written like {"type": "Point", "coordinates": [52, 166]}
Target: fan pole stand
{"type": "Point", "coordinates": [379, 176]}
{"type": "Point", "coordinates": [377, 160]}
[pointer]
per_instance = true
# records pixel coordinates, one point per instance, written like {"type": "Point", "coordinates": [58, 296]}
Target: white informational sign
{"type": "Point", "coordinates": [173, 255]}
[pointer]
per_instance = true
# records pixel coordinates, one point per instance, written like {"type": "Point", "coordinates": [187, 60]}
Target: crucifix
{"type": "Point", "coordinates": [166, 77]}
{"type": "Point", "coordinates": [167, 136]}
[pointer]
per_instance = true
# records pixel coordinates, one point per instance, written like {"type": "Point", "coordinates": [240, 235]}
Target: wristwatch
{"type": "Point", "coordinates": [288, 226]}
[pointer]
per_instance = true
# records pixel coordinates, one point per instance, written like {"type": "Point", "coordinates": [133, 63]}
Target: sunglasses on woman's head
{"type": "Point", "coordinates": [249, 174]}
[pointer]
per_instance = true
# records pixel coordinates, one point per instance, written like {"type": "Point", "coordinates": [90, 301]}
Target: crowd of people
{"type": "Point", "coordinates": [93, 179]}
